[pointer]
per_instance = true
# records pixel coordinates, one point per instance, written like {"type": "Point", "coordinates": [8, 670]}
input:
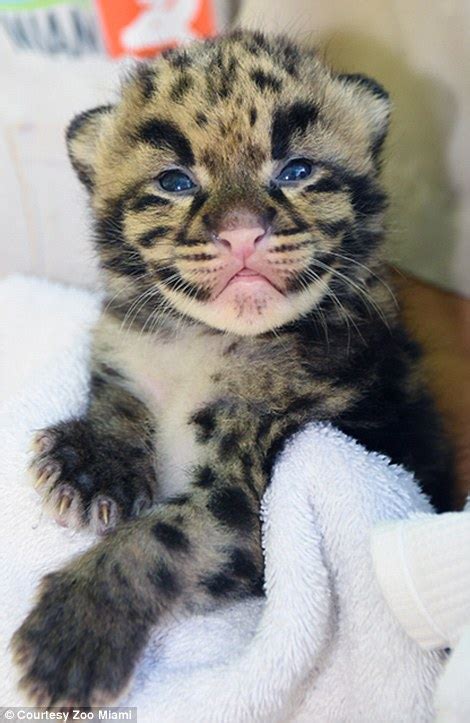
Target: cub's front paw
{"type": "Point", "coordinates": [91, 479]}
{"type": "Point", "coordinates": [76, 647]}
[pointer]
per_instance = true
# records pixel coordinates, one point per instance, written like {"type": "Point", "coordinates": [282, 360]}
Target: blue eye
{"type": "Point", "coordinates": [297, 170]}
{"type": "Point", "coordinates": [176, 181]}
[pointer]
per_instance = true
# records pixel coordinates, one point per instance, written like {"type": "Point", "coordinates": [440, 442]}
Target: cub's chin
{"type": "Point", "coordinates": [252, 305]}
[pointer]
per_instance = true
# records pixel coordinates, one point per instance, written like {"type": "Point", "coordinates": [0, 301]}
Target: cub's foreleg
{"type": "Point", "coordinates": [99, 468]}
{"type": "Point", "coordinates": [80, 643]}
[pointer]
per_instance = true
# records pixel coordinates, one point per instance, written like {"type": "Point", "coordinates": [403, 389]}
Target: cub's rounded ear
{"type": "Point", "coordinates": [374, 102]}
{"type": "Point", "coordinates": [82, 137]}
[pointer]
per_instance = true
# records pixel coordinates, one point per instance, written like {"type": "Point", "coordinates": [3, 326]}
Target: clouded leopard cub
{"type": "Point", "coordinates": [239, 225]}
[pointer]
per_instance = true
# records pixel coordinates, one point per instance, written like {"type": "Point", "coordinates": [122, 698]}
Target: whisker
{"type": "Point", "coordinates": [372, 273]}
{"type": "Point", "coordinates": [344, 312]}
{"type": "Point", "coordinates": [362, 292]}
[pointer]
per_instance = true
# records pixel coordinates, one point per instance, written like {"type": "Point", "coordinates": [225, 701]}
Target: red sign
{"type": "Point", "coordinates": [144, 27]}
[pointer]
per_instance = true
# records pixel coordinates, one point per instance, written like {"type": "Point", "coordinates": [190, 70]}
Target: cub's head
{"type": "Point", "coordinates": [234, 183]}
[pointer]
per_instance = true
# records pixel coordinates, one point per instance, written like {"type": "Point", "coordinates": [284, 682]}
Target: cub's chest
{"type": "Point", "coordinates": [174, 379]}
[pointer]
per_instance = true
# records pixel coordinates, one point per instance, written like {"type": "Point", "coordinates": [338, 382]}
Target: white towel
{"type": "Point", "coordinates": [322, 646]}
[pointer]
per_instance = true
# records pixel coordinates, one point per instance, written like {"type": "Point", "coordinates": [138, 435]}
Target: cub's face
{"type": "Point", "coordinates": [234, 183]}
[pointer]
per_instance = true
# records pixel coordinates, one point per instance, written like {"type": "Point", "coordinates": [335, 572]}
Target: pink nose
{"type": "Point", "coordinates": [241, 242]}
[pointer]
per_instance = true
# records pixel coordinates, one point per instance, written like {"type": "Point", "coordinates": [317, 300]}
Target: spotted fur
{"type": "Point", "coordinates": [191, 401]}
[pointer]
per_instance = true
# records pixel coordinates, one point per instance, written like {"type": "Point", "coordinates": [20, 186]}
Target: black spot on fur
{"type": "Point", "coordinates": [290, 59]}
{"type": "Point", "coordinates": [248, 462]}
{"type": "Point", "coordinates": [146, 78]}
{"type": "Point", "coordinates": [264, 428]}
{"type": "Point", "coordinates": [288, 122]}
{"type": "Point", "coordinates": [257, 586]}
{"type": "Point", "coordinates": [231, 506]}
{"type": "Point", "coordinates": [266, 81]}
{"type": "Point", "coordinates": [178, 58]}
{"type": "Point", "coordinates": [204, 477]}
{"type": "Point", "coordinates": [189, 242]}
{"type": "Point", "coordinates": [205, 419]}
{"type": "Point", "coordinates": [197, 203]}
{"type": "Point", "coordinates": [164, 134]}
{"type": "Point", "coordinates": [164, 581]}
{"type": "Point", "coordinates": [289, 232]}
{"type": "Point", "coordinates": [301, 404]}
{"type": "Point", "coordinates": [241, 564]}
{"type": "Point", "coordinates": [256, 43]}
{"type": "Point", "coordinates": [270, 214]}
{"type": "Point", "coordinates": [229, 444]}
{"type": "Point", "coordinates": [181, 87]}
{"type": "Point", "coordinates": [262, 41]}
{"type": "Point", "coordinates": [128, 262]}
{"type": "Point", "coordinates": [325, 185]}
{"type": "Point", "coordinates": [199, 199]}
{"type": "Point", "coordinates": [282, 248]}
{"type": "Point", "coordinates": [277, 445]}
{"type": "Point", "coordinates": [201, 119]}
{"type": "Point", "coordinates": [148, 201]}
{"type": "Point", "coordinates": [280, 197]}
{"type": "Point", "coordinates": [366, 198]}
{"type": "Point", "coordinates": [228, 77]}
{"type": "Point", "coordinates": [333, 228]}
{"type": "Point", "coordinates": [239, 574]}
{"type": "Point", "coordinates": [221, 76]}
{"type": "Point", "coordinates": [150, 238]}
{"type": "Point", "coordinates": [171, 537]}
{"type": "Point", "coordinates": [324, 258]}
{"type": "Point", "coordinates": [365, 82]}
{"type": "Point", "coordinates": [199, 257]}
{"type": "Point", "coordinates": [219, 584]}
{"type": "Point", "coordinates": [253, 116]}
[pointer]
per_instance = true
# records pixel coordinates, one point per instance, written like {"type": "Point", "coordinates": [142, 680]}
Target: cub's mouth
{"type": "Point", "coordinates": [248, 281]}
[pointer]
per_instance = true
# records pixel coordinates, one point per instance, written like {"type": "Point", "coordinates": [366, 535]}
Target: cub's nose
{"type": "Point", "coordinates": [240, 233]}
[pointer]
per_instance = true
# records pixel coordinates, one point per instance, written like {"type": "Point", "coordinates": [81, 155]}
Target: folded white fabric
{"type": "Point", "coordinates": [323, 646]}
{"type": "Point", "coordinates": [423, 568]}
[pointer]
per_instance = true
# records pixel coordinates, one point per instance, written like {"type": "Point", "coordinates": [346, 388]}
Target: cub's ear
{"type": "Point", "coordinates": [374, 102]}
{"type": "Point", "coordinates": [82, 137]}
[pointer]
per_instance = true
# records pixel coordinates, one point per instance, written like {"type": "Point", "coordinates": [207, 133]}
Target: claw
{"type": "Point", "coordinates": [42, 444]}
{"type": "Point", "coordinates": [64, 504]}
{"type": "Point", "coordinates": [49, 473]}
{"type": "Point", "coordinates": [104, 512]}
{"type": "Point", "coordinates": [40, 480]}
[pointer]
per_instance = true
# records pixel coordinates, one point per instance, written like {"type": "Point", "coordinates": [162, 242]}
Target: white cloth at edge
{"type": "Point", "coordinates": [323, 646]}
{"type": "Point", "coordinates": [423, 568]}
